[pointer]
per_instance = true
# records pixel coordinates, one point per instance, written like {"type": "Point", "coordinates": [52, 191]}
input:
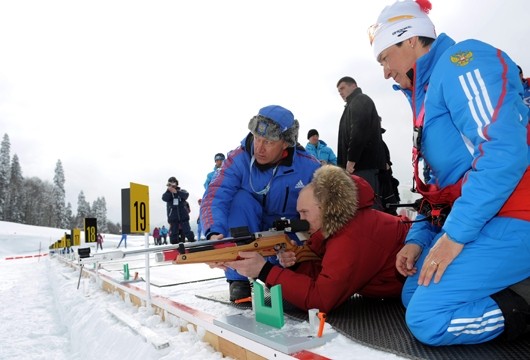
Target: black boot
{"type": "Point", "coordinates": [515, 310]}
{"type": "Point", "coordinates": [239, 289]}
{"type": "Point", "coordinates": [522, 289]}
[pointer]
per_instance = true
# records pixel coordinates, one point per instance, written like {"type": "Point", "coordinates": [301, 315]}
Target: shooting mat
{"type": "Point", "coordinates": [380, 324]}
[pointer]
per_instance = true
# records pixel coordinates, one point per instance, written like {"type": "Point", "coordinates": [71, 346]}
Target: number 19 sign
{"type": "Point", "coordinates": [135, 209]}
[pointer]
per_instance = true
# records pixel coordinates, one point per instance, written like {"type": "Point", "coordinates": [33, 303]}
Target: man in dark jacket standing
{"type": "Point", "coordinates": [360, 144]}
{"type": "Point", "coordinates": [178, 215]}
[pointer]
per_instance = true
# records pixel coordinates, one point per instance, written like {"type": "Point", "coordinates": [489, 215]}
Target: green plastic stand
{"type": "Point", "coordinates": [126, 274]}
{"type": "Point", "coordinates": [269, 315]}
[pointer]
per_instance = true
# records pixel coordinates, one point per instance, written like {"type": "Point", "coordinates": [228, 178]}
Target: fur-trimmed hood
{"type": "Point", "coordinates": [340, 196]}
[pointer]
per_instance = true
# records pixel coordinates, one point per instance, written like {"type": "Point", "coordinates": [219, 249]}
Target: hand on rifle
{"type": "Point", "coordinates": [249, 265]}
{"type": "Point", "coordinates": [287, 258]}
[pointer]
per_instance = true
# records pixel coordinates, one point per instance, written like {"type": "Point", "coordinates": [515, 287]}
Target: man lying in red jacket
{"type": "Point", "coordinates": [357, 246]}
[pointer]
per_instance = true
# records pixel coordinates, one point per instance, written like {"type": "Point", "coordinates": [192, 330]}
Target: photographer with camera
{"type": "Point", "coordinates": [178, 215]}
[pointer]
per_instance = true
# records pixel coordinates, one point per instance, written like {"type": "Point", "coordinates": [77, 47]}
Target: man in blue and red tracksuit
{"type": "Point", "coordinates": [468, 267]}
{"type": "Point", "coordinates": [258, 183]}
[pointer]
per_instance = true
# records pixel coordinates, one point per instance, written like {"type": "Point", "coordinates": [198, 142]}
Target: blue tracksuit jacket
{"type": "Point", "coordinates": [235, 176]}
{"type": "Point", "coordinates": [475, 128]}
{"type": "Point", "coordinates": [322, 152]}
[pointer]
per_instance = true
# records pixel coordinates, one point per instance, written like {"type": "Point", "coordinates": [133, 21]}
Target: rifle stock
{"type": "Point", "coordinates": [228, 250]}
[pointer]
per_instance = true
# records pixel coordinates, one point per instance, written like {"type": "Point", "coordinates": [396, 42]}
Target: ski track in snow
{"type": "Point", "coordinates": [52, 319]}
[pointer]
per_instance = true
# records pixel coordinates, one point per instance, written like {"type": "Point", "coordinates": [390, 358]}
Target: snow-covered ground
{"type": "Point", "coordinates": [45, 316]}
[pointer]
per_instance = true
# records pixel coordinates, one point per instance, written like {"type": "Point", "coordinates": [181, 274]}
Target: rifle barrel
{"type": "Point", "coordinates": [412, 205]}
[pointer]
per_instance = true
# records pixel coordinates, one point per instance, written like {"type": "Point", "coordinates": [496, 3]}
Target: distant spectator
{"type": "Point", "coordinates": [526, 86]}
{"type": "Point", "coordinates": [319, 149]}
{"type": "Point", "coordinates": [99, 241]}
{"type": "Point", "coordinates": [156, 236]}
{"type": "Point", "coordinates": [526, 98]}
{"type": "Point", "coordinates": [124, 239]}
{"type": "Point", "coordinates": [218, 158]}
{"type": "Point", "coordinates": [199, 227]}
{"type": "Point", "coordinates": [163, 234]}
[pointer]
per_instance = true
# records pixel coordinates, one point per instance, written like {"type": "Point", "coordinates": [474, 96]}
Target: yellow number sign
{"type": "Point", "coordinates": [91, 230]}
{"type": "Point", "coordinates": [76, 235]}
{"type": "Point", "coordinates": [139, 208]}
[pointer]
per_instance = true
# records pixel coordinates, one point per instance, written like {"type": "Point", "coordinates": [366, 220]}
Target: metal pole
{"type": "Point", "coordinates": [147, 275]}
{"type": "Point", "coordinates": [80, 274]}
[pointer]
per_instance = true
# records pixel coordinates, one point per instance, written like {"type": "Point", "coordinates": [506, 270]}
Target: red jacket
{"type": "Point", "coordinates": [358, 258]}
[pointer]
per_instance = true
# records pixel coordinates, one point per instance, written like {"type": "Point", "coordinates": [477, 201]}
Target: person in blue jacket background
{"type": "Point", "coordinates": [319, 149]}
{"type": "Point", "coordinates": [258, 183]}
{"type": "Point", "coordinates": [467, 267]}
{"type": "Point", "coordinates": [526, 96]}
{"type": "Point", "coordinates": [526, 86]}
{"type": "Point", "coordinates": [218, 158]}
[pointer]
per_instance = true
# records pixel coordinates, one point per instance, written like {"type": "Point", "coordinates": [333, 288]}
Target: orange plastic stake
{"type": "Point", "coordinates": [322, 317]}
{"type": "Point", "coordinates": [242, 300]}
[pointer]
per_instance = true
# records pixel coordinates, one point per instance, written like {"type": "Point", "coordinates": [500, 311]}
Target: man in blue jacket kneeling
{"type": "Point", "coordinates": [258, 183]}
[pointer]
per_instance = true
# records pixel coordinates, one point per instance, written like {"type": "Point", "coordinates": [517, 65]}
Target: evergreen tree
{"type": "Point", "coordinates": [48, 217]}
{"type": "Point", "coordinates": [15, 199]}
{"type": "Point", "coordinates": [58, 201]}
{"type": "Point", "coordinates": [70, 218]}
{"type": "Point", "coordinates": [83, 210]}
{"type": "Point", "coordinates": [100, 213]}
{"type": "Point", "coordinates": [114, 228]}
{"type": "Point", "coordinates": [5, 157]}
{"type": "Point", "coordinates": [37, 202]}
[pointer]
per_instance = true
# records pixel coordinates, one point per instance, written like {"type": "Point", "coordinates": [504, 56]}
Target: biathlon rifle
{"type": "Point", "coordinates": [86, 258]}
{"type": "Point", "coordinates": [434, 213]}
{"type": "Point", "coordinates": [266, 243]}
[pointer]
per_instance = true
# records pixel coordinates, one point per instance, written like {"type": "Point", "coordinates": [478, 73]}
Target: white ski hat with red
{"type": "Point", "coordinates": [401, 21]}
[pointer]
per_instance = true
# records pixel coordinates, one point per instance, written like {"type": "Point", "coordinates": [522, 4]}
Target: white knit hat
{"type": "Point", "coordinates": [401, 21]}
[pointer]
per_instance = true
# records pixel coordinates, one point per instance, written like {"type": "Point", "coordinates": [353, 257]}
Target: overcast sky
{"type": "Point", "coordinates": [138, 91]}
